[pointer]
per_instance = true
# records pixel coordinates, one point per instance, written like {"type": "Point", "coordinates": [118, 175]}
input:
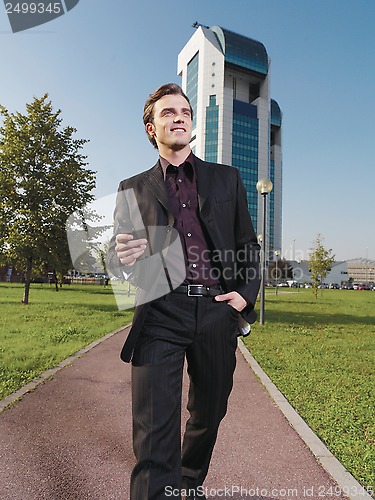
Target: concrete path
{"type": "Point", "coordinates": [70, 438]}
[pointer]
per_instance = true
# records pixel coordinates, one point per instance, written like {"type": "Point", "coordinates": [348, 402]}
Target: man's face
{"type": "Point", "coordinates": [172, 124]}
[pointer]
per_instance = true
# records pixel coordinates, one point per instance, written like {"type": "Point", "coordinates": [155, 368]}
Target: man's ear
{"type": "Point", "coordinates": [150, 129]}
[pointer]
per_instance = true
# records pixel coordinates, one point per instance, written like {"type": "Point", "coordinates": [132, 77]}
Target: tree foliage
{"type": "Point", "coordinates": [43, 179]}
{"type": "Point", "coordinates": [320, 262]}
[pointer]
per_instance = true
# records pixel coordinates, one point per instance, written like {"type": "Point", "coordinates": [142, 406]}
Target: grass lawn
{"type": "Point", "coordinates": [50, 328]}
{"type": "Point", "coordinates": [320, 354]}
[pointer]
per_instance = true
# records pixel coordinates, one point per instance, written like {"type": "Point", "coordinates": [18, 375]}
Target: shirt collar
{"type": "Point", "coordinates": [165, 163]}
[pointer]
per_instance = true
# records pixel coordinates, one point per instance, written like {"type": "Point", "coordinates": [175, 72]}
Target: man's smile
{"type": "Point", "coordinates": [178, 129]}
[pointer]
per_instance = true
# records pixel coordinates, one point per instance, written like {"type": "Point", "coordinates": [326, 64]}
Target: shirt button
{"type": "Point", "coordinates": [189, 234]}
{"type": "Point", "coordinates": [194, 265]}
{"type": "Point", "coordinates": [184, 205]}
{"type": "Point", "coordinates": [180, 180]}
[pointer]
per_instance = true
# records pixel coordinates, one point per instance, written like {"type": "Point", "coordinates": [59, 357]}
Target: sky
{"type": "Point", "coordinates": [101, 60]}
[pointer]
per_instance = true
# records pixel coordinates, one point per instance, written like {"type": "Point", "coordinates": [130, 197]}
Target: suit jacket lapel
{"type": "Point", "coordinates": [205, 173]}
{"type": "Point", "coordinates": [154, 181]}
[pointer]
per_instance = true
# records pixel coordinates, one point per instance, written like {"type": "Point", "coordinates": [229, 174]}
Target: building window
{"type": "Point", "coordinates": [212, 130]}
{"type": "Point", "coordinates": [253, 91]}
{"type": "Point", "coordinates": [192, 85]}
{"type": "Point", "coordinates": [245, 151]}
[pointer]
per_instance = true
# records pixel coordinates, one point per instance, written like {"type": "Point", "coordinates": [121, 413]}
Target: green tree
{"type": "Point", "coordinates": [320, 262]}
{"type": "Point", "coordinates": [43, 179]}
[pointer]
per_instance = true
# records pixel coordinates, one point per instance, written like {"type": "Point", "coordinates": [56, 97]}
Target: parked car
{"type": "Point", "coordinates": [347, 286]}
{"type": "Point", "coordinates": [363, 287]}
{"type": "Point", "coordinates": [334, 286]}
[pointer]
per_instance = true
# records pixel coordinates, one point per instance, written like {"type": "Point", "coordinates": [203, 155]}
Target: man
{"type": "Point", "coordinates": [206, 206]}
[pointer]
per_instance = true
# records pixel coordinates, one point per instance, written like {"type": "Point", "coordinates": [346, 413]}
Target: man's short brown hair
{"type": "Point", "coordinates": [148, 111]}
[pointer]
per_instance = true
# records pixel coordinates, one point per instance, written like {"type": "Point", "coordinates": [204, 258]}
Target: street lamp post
{"type": "Point", "coordinates": [264, 186]}
{"type": "Point", "coordinates": [277, 253]}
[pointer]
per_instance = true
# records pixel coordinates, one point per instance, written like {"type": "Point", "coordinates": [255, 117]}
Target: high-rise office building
{"type": "Point", "coordinates": [226, 77]}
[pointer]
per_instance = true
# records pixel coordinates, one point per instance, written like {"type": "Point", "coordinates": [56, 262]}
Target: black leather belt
{"type": "Point", "coordinates": [199, 290]}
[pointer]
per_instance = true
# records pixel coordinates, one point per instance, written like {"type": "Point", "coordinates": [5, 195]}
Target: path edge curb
{"type": "Point", "coordinates": [31, 386]}
{"type": "Point", "coordinates": [346, 482]}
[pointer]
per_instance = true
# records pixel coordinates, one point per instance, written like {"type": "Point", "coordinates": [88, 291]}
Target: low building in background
{"type": "Point", "coordinates": [337, 275]}
{"type": "Point", "coordinates": [361, 270]}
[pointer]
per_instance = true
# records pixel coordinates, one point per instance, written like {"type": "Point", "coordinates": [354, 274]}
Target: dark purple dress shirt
{"type": "Point", "coordinates": [181, 185]}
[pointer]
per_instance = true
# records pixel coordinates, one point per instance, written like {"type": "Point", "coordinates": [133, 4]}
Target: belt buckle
{"type": "Point", "coordinates": [191, 293]}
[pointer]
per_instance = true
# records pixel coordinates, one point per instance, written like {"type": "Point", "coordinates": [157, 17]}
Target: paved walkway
{"type": "Point", "coordinates": [70, 438]}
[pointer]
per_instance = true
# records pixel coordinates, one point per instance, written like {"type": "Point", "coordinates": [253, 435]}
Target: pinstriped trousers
{"type": "Point", "coordinates": [205, 333]}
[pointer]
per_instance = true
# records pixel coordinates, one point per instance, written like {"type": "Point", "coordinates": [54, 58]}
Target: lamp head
{"type": "Point", "coordinates": [264, 186]}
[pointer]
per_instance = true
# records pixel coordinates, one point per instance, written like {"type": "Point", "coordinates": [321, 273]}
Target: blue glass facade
{"type": "Point", "coordinates": [245, 151]}
{"type": "Point", "coordinates": [242, 51]}
{"type": "Point", "coordinates": [192, 85]}
{"type": "Point", "coordinates": [212, 130]}
{"type": "Point", "coordinates": [275, 114]}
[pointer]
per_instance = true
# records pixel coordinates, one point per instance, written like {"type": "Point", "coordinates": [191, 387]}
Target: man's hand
{"type": "Point", "coordinates": [128, 249]}
{"type": "Point", "coordinates": [233, 299]}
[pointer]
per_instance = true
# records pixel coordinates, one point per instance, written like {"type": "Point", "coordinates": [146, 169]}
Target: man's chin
{"type": "Point", "coordinates": [179, 146]}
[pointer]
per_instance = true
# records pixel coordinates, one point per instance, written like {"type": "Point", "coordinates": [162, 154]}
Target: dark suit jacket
{"type": "Point", "coordinates": [224, 216]}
